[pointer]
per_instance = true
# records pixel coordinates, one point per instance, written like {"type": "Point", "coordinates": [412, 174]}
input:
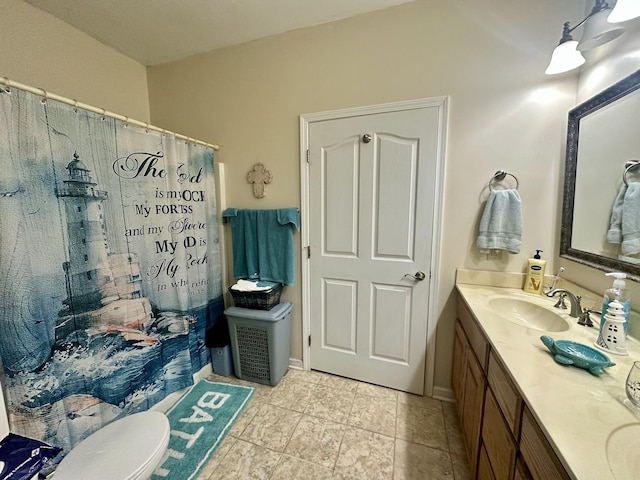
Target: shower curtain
{"type": "Point", "coordinates": [110, 267]}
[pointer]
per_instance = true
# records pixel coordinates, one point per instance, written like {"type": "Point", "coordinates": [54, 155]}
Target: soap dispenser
{"type": "Point", "coordinates": [611, 337]}
{"type": "Point", "coordinates": [535, 274]}
{"type": "Point", "coordinates": [618, 291]}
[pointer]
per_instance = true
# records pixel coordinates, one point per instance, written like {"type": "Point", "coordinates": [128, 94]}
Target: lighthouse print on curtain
{"type": "Point", "coordinates": [109, 266]}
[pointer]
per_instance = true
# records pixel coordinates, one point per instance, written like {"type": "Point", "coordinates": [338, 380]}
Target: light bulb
{"type": "Point", "coordinates": [624, 10]}
{"type": "Point", "coordinates": [565, 57]}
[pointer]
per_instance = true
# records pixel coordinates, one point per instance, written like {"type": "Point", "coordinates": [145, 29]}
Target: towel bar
{"type": "Point", "coordinates": [500, 175]}
{"type": "Point", "coordinates": [629, 165]}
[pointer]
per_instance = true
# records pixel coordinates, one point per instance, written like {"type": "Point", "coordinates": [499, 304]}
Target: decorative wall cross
{"type": "Point", "coordinates": [259, 176]}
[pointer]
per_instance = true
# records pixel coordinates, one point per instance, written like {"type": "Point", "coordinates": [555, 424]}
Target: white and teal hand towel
{"type": "Point", "coordinates": [631, 220]}
{"type": "Point", "coordinates": [501, 222]}
{"type": "Point", "coordinates": [614, 234]}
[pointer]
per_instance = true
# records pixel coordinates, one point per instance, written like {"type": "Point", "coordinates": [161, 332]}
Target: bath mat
{"type": "Point", "coordinates": [199, 422]}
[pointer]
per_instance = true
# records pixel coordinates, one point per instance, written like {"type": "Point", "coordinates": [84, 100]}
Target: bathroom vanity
{"type": "Point", "coordinates": [524, 416]}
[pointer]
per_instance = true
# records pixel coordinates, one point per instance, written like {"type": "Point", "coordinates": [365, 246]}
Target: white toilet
{"type": "Point", "coordinates": [128, 449]}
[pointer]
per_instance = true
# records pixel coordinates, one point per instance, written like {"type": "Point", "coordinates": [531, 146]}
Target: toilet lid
{"type": "Point", "coordinates": [118, 450]}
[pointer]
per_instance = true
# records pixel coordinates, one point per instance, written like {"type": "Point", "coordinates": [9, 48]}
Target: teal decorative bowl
{"type": "Point", "coordinates": [567, 352]}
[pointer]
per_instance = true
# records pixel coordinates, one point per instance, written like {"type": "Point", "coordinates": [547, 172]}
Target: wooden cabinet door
{"type": "Point", "coordinates": [536, 451]}
{"type": "Point", "coordinates": [459, 368]}
{"type": "Point", "coordinates": [475, 337]}
{"type": "Point", "coordinates": [522, 473]}
{"type": "Point", "coordinates": [497, 439]}
{"type": "Point", "coordinates": [484, 467]}
{"type": "Point", "coordinates": [475, 384]}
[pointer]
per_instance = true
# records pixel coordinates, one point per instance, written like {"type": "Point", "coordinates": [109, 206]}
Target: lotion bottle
{"type": "Point", "coordinates": [534, 280]}
{"type": "Point", "coordinates": [617, 292]}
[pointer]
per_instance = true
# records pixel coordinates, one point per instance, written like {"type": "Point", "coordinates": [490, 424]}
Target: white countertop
{"type": "Point", "coordinates": [585, 417]}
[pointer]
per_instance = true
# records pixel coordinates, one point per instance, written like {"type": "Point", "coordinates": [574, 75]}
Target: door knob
{"type": "Point", "coordinates": [419, 276]}
{"type": "Point", "coordinates": [366, 138]}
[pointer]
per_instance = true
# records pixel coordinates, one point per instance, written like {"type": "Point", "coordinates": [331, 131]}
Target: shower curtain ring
{"type": "Point", "coordinates": [126, 121]}
{"type": "Point", "coordinates": [44, 95]}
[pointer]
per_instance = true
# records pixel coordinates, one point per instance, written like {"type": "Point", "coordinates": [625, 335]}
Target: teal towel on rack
{"type": "Point", "coordinates": [262, 242]}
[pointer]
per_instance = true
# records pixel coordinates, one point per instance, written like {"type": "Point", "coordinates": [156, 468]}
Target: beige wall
{"type": "Point", "coordinates": [41, 51]}
{"type": "Point", "coordinates": [487, 55]}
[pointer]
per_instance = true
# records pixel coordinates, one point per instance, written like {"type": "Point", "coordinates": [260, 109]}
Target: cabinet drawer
{"type": "Point", "coordinates": [476, 338]}
{"type": "Point", "coordinates": [497, 439]}
{"type": "Point", "coordinates": [505, 392]}
{"type": "Point", "coordinates": [542, 461]}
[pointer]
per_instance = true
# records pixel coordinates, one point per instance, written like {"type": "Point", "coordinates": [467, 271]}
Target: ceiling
{"type": "Point", "coordinates": [160, 31]}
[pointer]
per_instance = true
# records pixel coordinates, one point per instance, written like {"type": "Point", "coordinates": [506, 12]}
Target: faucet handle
{"type": "Point", "coordinates": [560, 303]}
{"type": "Point", "coordinates": [585, 317]}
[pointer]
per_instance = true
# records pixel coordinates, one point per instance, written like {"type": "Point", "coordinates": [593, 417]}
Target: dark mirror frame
{"type": "Point", "coordinates": [613, 93]}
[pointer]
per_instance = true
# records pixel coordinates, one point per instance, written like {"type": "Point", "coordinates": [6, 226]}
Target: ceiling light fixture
{"type": "Point", "coordinates": [565, 56]}
{"type": "Point", "coordinates": [597, 31]}
{"type": "Point", "coordinates": [624, 10]}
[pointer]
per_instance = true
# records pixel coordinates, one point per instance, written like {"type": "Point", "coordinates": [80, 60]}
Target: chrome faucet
{"type": "Point", "coordinates": [582, 314]}
{"type": "Point", "coordinates": [576, 308]}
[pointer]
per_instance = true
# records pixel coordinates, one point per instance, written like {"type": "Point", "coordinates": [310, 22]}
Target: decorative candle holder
{"type": "Point", "coordinates": [633, 385]}
{"type": "Point", "coordinates": [611, 337]}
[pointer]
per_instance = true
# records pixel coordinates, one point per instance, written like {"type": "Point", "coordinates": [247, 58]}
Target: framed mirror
{"type": "Point", "coordinates": [601, 214]}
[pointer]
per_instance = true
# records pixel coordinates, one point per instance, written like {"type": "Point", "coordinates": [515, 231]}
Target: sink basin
{"type": "Point", "coordinates": [528, 314]}
{"type": "Point", "coordinates": [622, 451]}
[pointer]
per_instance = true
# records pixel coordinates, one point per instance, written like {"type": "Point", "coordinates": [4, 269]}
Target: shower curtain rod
{"type": "Point", "coordinates": [46, 95]}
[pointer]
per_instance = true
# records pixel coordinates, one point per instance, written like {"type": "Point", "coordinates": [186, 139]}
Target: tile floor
{"type": "Point", "coordinates": [315, 426]}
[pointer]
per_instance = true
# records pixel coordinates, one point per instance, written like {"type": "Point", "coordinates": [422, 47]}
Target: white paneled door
{"type": "Point", "coordinates": [372, 186]}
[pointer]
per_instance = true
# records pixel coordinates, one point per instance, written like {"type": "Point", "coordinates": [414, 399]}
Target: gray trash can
{"type": "Point", "coordinates": [260, 342]}
{"type": "Point", "coordinates": [222, 360]}
{"type": "Point", "coordinates": [219, 344]}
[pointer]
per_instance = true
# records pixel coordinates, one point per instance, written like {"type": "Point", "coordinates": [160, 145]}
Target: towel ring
{"type": "Point", "coordinates": [500, 175]}
{"type": "Point", "coordinates": [629, 165]}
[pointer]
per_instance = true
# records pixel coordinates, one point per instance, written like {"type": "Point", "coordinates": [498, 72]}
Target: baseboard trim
{"type": "Point", "coordinates": [444, 394]}
{"type": "Point", "coordinates": [295, 364]}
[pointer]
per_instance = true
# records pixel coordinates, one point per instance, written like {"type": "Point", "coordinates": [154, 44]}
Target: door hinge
{"type": "Point", "coordinates": [308, 155]}
{"type": "Point", "coordinates": [309, 340]}
{"type": "Point", "coordinates": [308, 251]}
